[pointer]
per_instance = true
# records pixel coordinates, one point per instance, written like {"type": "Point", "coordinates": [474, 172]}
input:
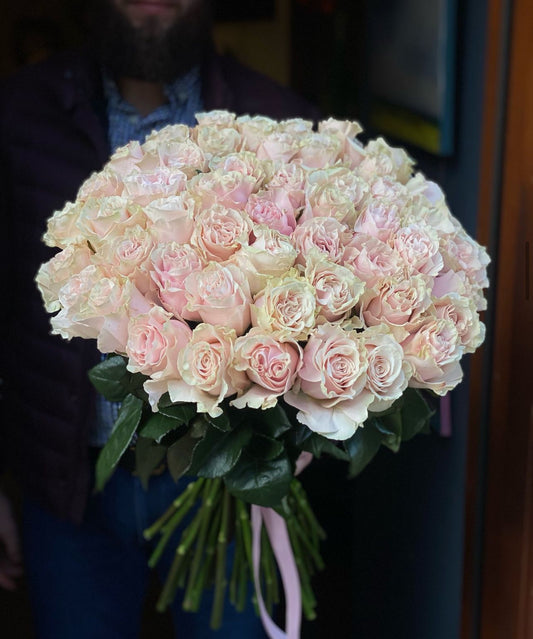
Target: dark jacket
{"type": "Point", "coordinates": [53, 135]}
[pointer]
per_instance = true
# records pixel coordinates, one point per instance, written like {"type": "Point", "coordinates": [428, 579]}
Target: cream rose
{"type": "Point", "coordinates": [219, 232]}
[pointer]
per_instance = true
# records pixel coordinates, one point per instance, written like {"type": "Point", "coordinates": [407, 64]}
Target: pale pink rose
{"type": "Point", "coordinates": [344, 180]}
{"type": "Point", "coordinates": [171, 264]}
{"type": "Point", "coordinates": [273, 209]}
{"type": "Point", "coordinates": [434, 351]}
{"type": "Point", "coordinates": [125, 159]}
{"type": "Point", "coordinates": [418, 246]}
{"type": "Point", "coordinates": [462, 312]}
{"type": "Point", "coordinates": [296, 126]}
{"type": "Point", "coordinates": [271, 364]}
{"type": "Point", "coordinates": [331, 398]}
{"type": "Point", "coordinates": [270, 253]}
{"type": "Point", "coordinates": [291, 178]}
{"type": "Point", "coordinates": [207, 371]}
{"type": "Point", "coordinates": [229, 189]}
{"type": "Point", "coordinates": [215, 118]}
{"type": "Point", "coordinates": [154, 343]}
{"type": "Point", "coordinates": [326, 200]}
{"type": "Point", "coordinates": [170, 134]}
{"type": "Point", "coordinates": [342, 128]}
{"type": "Point", "coordinates": [219, 295]}
{"type": "Point", "coordinates": [185, 155]}
{"type": "Point", "coordinates": [62, 227]}
{"type": "Point", "coordinates": [219, 232]}
{"type": "Point", "coordinates": [388, 372]}
{"type": "Point", "coordinates": [448, 281]}
{"type": "Point", "coordinates": [354, 153]}
{"type": "Point", "coordinates": [127, 255]}
{"type": "Point", "coordinates": [337, 289]}
{"type": "Point", "coordinates": [163, 181]}
{"type": "Point", "coordinates": [216, 141]}
{"type": "Point", "coordinates": [380, 219]}
{"type": "Point", "coordinates": [319, 150]}
{"type": "Point", "coordinates": [101, 219]}
{"type": "Point", "coordinates": [255, 129]}
{"type": "Point", "coordinates": [278, 146]}
{"type": "Point", "coordinates": [372, 260]}
{"type": "Point", "coordinates": [246, 163]}
{"type": "Point", "coordinates": [326, 234]}
{"type": "Point", "coordinates": [52, 275]}
{"type": "Point", "coordinates": [286, 305]}
{"type": "Point", "coordinates": [463, 253]}
{"type": "Point", "coordinates": [171, 218]}
{"type": "Point", "coordinates": [397, 303]}
{"type": "Point", "coordinates": [381, 159]}
{"type": "Point", "coordinates": [101, 184]}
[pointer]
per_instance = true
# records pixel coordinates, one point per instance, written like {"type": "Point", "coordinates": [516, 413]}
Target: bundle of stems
{"type": "Point", "coordinates": [215, 548]}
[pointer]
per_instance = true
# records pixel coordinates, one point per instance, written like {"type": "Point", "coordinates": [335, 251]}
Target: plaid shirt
{"type": "Point", "coordinates": [125, 124]}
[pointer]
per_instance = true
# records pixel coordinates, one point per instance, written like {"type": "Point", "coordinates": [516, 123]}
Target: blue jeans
{"type": "Point", "coordinates": [89, 581]}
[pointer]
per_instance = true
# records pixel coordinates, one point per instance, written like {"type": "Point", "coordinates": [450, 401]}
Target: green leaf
{"type": "Point", "coordinates": [318, 445]}
{"type": "Point", "coordinates": [222, 422]}
{"type": "Point", "coordinates": [260, 482]}
{"type": "Point", "coordinates": [148, 456]}
{"type": "Point", "coordinates": [110, 378]}
{"type": "Point", "coordinates": [416, 413]}
{"type": "Point", "coordinates": [273, 421]}
{"type": "Point", "coordinates": [263, 447]}
{"type": "Point", "coordinates": [159, 425]}
{"type": "Point", "coordinates": [362, 447]}
{"type": "Point", "coordinates": [183, 413]}
{"type": "Point", "coordinates": [179, 455]}
{"type": "Point", "coordinates": [218, 452]}
{"type": "Point", "coordinates": [128, 419]}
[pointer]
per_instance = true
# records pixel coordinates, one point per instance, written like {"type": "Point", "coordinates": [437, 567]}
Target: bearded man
{"type": "Point", "coordinates": [148, 63]}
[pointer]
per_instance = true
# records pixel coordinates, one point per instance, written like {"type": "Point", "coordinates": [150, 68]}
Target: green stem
{"type": "Point", "coordinates": [220, 573]}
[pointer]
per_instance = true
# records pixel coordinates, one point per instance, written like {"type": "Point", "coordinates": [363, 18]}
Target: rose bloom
{"type": "Point", "coordinates": [291, 178]}
{"type": "Point", "coordinates": [381, 159]}
{"type": "Point", "coordinates": [270, 253]}
{"type": "Point", "coordinates": [142, 186]}
{"type": "Point", "coordinates": [255, 129]}
{"type": "Point", "coordinates": [286, 305]}
{"type": "Point", "coordinates": [319, 150]}
{"type": "Point", "coordinates": [101, 219]}
{"type": "Point", "coordinates": [154, 342]}
{"type": "Point", "coordinates": [462, 312]}
{"type": "Point", "coordinates": [372, 260]}
{"type": "Point", "coordinates": [186, 156]}
{"type": "Point", "coordinates": [331, 398]}
{"type": "Point", "coordinates": [271, 364]}
{"type": "Point", "coordinates": [462, 253]}
{"type": "Point", "coordinates": [52, 275]}
{"type": "Point", "coordinates": [274, 209]}
{"type": "Point", "coordinates": [170, 265]}
{"type": "Point", "coordinates": [379, 219]}
{"type": "Point", "coordinates": [219, 232]}
{"type": "Point", "coordinates": [229, 189]}
{"type": "Point", "coordinates": [171, 218]}
{"type": "Point", "coordinates": [326, 200]}
{"type": "Point", "coordinates": [388, 372]}
{"type": "Point", "coordinates": [337, 289]}
{"type": "Point", "coordinates": [219, 295]}
{"type": "Point", "coordinates": [434, 351]}
{"type": "Point", "coordinates": [206, 368]}
{"type": "Point", "coordinates": [217, 141]}
{"type": "Point", "coordinates": [62, 227]}
{"type": "Point", "coordinates": [101, 184]}
{"type": "Point", "coordinates": [246, 163]}
{"type": "Point", "coordinates": [296, 126]}
{"type": "Point", "coordinates": [278, 146]}
{"type": "Point", "coordinates": [170, 134]}
{"type": "Point", "coordinates": [342, 128]}
{"type": "Point", "coordinates": [217, 118]}
{"type": "Point", "coordinates": [418, 246]}
{"type": "Point", "coordinates": [397, 303]}
{"type": "Point", "coordinates": [326, 234]}
{"type": "Point", "coordinates": [125, 159]}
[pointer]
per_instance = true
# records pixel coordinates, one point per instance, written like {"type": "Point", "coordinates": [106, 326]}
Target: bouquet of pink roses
{"type": "Point", "coordinates": [263, 290]}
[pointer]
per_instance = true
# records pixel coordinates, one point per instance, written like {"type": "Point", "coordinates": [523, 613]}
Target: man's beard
{"type": "Point", "coordinates": [149, 53]}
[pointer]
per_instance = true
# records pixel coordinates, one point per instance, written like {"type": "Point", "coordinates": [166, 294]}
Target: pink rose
{"type": "Point", "coordinates": [218, 118]}
{"type": "Point", "coordinates": [287, 306]}
{"type": "Point", "coordinates": [326, 234]}
{"type": "Point", "coordinates": [273, 209]}
{"type": "Point", "coordinates": [144, 186]}
{"type": "Point", "coordinates": [255, 129]}
{"type": "Point", "coordinates": [418, 246]}
{"type": "Point", "coordinates": [434, 351]}
{"type": "Point", "coordinates": [331, 400]}
{"type": "Point", "coordinates": [291, 178]}
{"type": "Point", "coordinates": [229, 189]}
{"type": "Point", "coordinates": [62, 228]}
{"type": "Point", "coordinates": [381, 159]}
{"type": "Point", "coordinates": [246, 163]}
{"type": "Point", "coordinates": [462, 312]}
{"type": "Point", "coordinates": [101, 219]}
{"type": "Point", "coordinates": [319, 150]}
{"type": "Point", "coordinates": [278, 146]}
{"type": "Point", "coordinates": [217, 141]}
{"type": "Point", "coordinates": [219, 295]}
{"type": "Point", "coordinates": [171, 264]}
{"type": "Point", "coordinates": [101, 184]}
{"type": "Point", "coordinates": [379, 219]}
{"type": "Point", "coordinates": [397, 303]}
{"type": "Point", "coordinates": [206, 368]}
{"type": "Point", "coordinates": [219, 232]}
{"type": "Point", "coordinates": [125, 159]}
{"type": "Point", "coordinates": [171, 218]}
{"type": "Point", "coordinates": [372, 260]}
{"type": "Point", "coordinates": [269, 363]}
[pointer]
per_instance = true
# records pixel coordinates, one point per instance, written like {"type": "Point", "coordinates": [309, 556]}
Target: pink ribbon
{"type": "Point", "coordinates": [281, 545]}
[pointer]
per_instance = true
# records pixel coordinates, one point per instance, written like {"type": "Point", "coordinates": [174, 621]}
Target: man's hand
{"type": "Point", "coordinates": [10, 557]}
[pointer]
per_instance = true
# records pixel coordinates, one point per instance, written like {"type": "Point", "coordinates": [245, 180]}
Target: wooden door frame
{"type": "Point", "coordinates": [498, 568]}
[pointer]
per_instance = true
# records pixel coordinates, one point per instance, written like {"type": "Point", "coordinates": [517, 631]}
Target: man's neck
{"type": "Point", "coordinates": [144, 96]}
